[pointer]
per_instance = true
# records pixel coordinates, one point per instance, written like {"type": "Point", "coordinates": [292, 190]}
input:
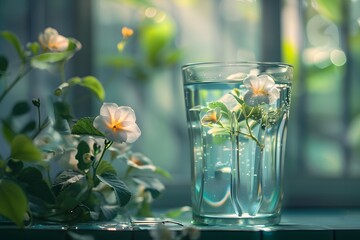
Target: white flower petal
{"type": "Point", "coordinates": [101, 123]}
{"type": "Point", "coordinates": [108, 109]}
{"type": "Point", "coordinates": [274, 94]}
{"type": "Point", "coordinates": [132, 131]}
{"type": "Point", "coordinates": [247, 82]}
{"type": "Point", "coordinates": [117, 136]}
{"type": "Point", "coordinates": [268, 82]}
{"type": "Point", "coordinates": [125, 113]}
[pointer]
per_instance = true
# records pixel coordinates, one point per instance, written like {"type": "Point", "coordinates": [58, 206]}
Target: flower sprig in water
{"type": "Point", "coordinates": [237, 112]}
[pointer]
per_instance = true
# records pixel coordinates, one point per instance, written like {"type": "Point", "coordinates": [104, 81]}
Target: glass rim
{"type": "Point", "coordinates": [236, 63]}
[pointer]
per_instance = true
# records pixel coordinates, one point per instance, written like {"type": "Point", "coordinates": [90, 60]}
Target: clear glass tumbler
{"type": "Point", "coordinates": [237, 119]}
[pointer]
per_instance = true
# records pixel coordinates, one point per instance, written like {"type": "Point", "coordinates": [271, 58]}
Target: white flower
{"type": "Point", "coordinates": [211, 116]}
{"type": "Point", "coordinates": [117, 123]}
{"type": "Point", "coordinates": [52, 41]}
{"type": "Point", "coordinates": [261, 90]}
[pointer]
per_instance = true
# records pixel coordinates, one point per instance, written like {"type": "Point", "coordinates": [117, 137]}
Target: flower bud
{"type": "Point", "coordinates": [36, 102]}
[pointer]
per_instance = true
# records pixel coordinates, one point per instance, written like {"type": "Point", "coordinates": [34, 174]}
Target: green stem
{"type": "Point", "coordinates": [107, 146]}
{"type": "Point", "coordinates": [250, 135]}
{"type": "Point", "coordinates": [62, 71]}
{"type": "Point", "coordinates": [20, 75]}
{"type": "Point", "coordinates": [39, 119]}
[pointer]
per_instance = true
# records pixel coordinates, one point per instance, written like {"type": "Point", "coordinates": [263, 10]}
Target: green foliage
{"type": "Point", "coordinates": [20, 108]}
{"type": "Point", "coordinates": [155, 39]}
{"type": "Point", "coordinates": [14, 41]}
{"type": "Point", "coordinates": [331, 9]}
{"type": "Point", "coordinates": [121, 190]}
{"type": "Point", "coordinates": [22, 148]}
{"type": "Point", "coordinates": [70, 188]}
{"type": "Point", "coordinates": [75, 195]}
{"type": "Point", "coordinates": [13, 202]}
{"type": "Point", "coordinates": [14, 167]}
{"type": "Point", "coordinates": [155, 48]}
{"type": "Point", "coordinates": [84, 126]}
{"type": "Point", "coordinates": [33, 47]}
{"type": "Point", "coordinates": [222, 106]}
{"type": "Point", "coordinates": [89, 82]}
{"type": "Point", "coordinates": [7, 131]}
{"type": "Point", "coordinates": [48, 60]}
{"type": "Point", "coordinates": [35, 185]}
{"type": "Point", "coordinates": [105, 167]}
{"type": "Point", "coordinates": [162, 172]}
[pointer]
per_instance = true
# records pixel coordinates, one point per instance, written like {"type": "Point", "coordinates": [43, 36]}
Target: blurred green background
{"type": "Point", "coordinates": [320, 38]}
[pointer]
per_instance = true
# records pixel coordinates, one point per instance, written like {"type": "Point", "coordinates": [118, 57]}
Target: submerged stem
{"type": "Point", "coordinates": [250, 134]}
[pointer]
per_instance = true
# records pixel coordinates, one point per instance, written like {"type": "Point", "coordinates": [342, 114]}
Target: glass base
{"type": "Point", "coordinates": [236, 221]}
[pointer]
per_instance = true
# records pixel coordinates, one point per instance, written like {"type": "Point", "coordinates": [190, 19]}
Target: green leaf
{"type": "Point", "coordinates": [155, 39]}
{"type": "Point", "coordinates": [13, 202]}
{"type": "Point", "coordinates": [34, 47]}
{"type": "Point", "coordinates": [120, 61]}
{"type": "Point", "coordinates": [15, 166]}
{"type": "Point", "coordinates": [235, 95]}
{"type": "Point", "coordinates": [84, 126]}
{"type": "Point", "coordinates": [13, 40]}
{"type": "Point", "coordinates": [173, 56]}
{"type": "Point", "coordinates": [2, 164]}
{"type": "Point", "coordinates": [30, 175]}
{"type": "Point", "coordinates": [48, 59]}
{"type": "Point", "coordinates": [35, 185]}
{"type": "Point", "coordinates": [22, 148]}
{"type": "Point", "coordinates": [105, 167]}
{"type": "Point", "coordinates": [71, 188]}
{"type": "Point", "coordinates": [30, 126]}
{"type": "Point", "coordinates": [331, 9]}
{"type": "Point", "coordinates": [62, 116]}
{"type": "Point", "coordinates": [121, 190]}
{"type": "Point", "coordinates": [20, 108]}
{"type": "Point", "coordinates": [62, 110]}
{"type": "Point", "coordinates": [222, 106]}
{"type": "Point", "coordinates": [7, 131]}
{"type": "Point", "coordinates": [91, 83]}
{"type": "Point", "coordinates": [3, 65]}
{"type": "Point", "coordinates": [163, 172]}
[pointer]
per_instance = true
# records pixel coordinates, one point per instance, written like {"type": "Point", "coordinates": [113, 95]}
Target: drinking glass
{"type": "Point", "coordinates": [237, 115]}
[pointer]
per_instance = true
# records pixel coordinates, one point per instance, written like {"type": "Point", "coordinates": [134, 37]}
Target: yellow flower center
{"type": "Point", "coordinates": [260, 92]}
{"type": "Point", "coordinates": [115, 126]}
{"type": "Point", "coordinates": [212, 117]}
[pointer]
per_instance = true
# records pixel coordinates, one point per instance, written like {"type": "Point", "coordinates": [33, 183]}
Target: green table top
{"type": "Point", "coordinates": [319, 224]}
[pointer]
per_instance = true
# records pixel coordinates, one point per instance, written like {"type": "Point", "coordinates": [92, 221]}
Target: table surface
{"type": "Point", "coordinates": [319, 224]}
